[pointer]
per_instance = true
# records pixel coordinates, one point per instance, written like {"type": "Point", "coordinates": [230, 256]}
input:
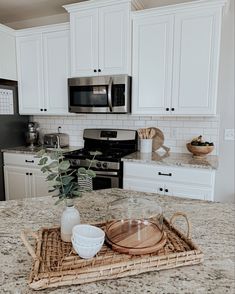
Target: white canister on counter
{"type": "Point", "coordinates": [146, 145]}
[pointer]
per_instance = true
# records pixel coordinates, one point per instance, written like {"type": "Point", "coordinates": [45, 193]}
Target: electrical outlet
{"type": "Point", "coordinates": [229, 134]}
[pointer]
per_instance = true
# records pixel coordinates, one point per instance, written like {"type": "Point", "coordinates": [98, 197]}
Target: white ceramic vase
{"type": "Point", "coordinates": [70, 218]}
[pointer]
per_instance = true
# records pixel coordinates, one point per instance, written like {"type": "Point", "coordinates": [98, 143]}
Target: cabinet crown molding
{"type": "Point", "coordinates": [174, 8]}
{"type": "Point", "coordinates": [7, 30]}
{"type": "Point", "coordinates": [137, 4]}
{"type": "Point", "coordinates": [42, 29]}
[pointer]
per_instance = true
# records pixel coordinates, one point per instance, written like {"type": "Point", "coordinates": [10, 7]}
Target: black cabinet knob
{"type": "Point", "coordinates": [172, 109]}
{"type": "Point", "coordinates": [161, 189]}
{"type": "Point", "coordinates": [27, 174]}
{"type": "Point", "coordinates": [30, 174]}
{"type": "Point", "coordinates": [41, 109]}
{"type": "Point", "coordinates": [167, 109]}
{"type": "Point", "coordinates": [95, 70]}
{"type": "Point", "coordinates": [45, 109]}
{"type": "Point", "coordinates": [166, 190]}
{"type": "Point", "coordinates": [99, 70]}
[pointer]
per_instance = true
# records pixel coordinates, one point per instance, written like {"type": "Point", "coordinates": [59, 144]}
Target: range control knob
{"type": "Point", "coordinates": [74, 162]}
{"type": "Point", "coordinates": [98, 164]}
{"type": "Point", "coordinates": [105, 165]}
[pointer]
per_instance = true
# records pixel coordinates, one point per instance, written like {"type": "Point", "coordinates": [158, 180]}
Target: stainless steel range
{"type": "Point", "coordinates": [112, 144]}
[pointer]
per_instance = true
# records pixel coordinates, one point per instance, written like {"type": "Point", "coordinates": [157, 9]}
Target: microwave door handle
{"type": "Point", "coordinates": [110, 94]}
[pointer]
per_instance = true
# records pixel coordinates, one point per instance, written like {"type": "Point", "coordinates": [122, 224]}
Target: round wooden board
{"type": "Point", "coordinates": [134, 237]}
{"type": "Point", "coordinates": [158, 139]}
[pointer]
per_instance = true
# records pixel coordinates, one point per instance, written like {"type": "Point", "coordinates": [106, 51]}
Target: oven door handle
{"type": "Point", "coordinates": [110, 94]}
{"type": "Point", "coordinates": [106, 173]}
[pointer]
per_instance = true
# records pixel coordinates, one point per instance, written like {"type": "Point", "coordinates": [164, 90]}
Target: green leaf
{"type": "Point", "coordinates": [40, 153]}
{"type": "Point", "coordinates": [77, 193]}
{"type": "Point", "coordinates": [91, 173]}
{"type": "Point", "coordinates": [53, 164]}
{"type": "Point", "coordinates": [44, 169]}
{"type": "Point", "coordinates": [67, 179]}
{"type": "Point", "coordinates": [43, 161]}
{"type": "Point", "coordinates": [59, 200]}
{"type": "Point", "coordinates": [51, 177]}
{"type": "Point", "coordinates": [64, 165]}
{"type": "Point", "coordinates": [54, 155]}
{"type": "Point", "coordinates": [81, 170]}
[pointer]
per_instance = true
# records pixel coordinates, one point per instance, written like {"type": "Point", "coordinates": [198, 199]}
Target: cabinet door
{"type": "Point", "coordinates": [140, 185]}
{"type": "Point", "coordinates": [196, 61]}
{"type": "Point", "coordinates": [17, 184]}
{"type": "Point", "coordinates": [188, 192]}
{"type": "Point", "coordinates": [114, 36]}
{"type": "Point", "coordinates": [84, 43]}
{"type": "Point", "coordinates": [7, 54]}
{"type": "Point", "coordinates": [56, 71]}
{"type": "Point", "coordinates": [152, 64]}
{"type": "Point", "coordinates": [39, 185]}
{"type": "Point", "coordinates": [29, 54]}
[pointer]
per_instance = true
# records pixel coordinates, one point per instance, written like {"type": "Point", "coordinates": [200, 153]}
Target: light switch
{"type": "Point", "coordinates": [229, 134]}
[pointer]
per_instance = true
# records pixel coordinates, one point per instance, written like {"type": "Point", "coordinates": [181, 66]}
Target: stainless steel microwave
{"type": "Point", "coordinates": [101, 94]}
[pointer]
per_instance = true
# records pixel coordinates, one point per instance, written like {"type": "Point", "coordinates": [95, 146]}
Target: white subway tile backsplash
{"type": "Point", "coordinates": [177, 130]}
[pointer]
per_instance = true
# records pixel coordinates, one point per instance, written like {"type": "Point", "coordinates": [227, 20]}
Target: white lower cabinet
{"type": "Point", "coordinates": [193, 183]}
{"type": "Point", "coordinates": [23, 177]}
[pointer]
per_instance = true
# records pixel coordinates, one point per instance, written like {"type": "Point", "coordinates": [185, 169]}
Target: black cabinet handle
{"type": "Point", "coordinates": [95, 70]}
{"type": "Point", "coordinates": [166, 190]}
{"type": "Point", "coordinates": [30, 174]}
{"type": "Point", "coordinates": [162, 174]}
{"type": "Point", "coordinates": [29, 161]}
{"type": "Point", "coordinates": [172, 109]}
{"type": "Point", "coordinates": [27, 174]}
{"type": "Point", "coordinates": [45, 109]}
{"type": "Point", "coordinates": [99, 70]}
{"type": "Point", "coordinates": [167, 109]}
{"type": "Point", "coordinates": [161, 189]}
{"type": "Point", "coordinates": [41, 109]}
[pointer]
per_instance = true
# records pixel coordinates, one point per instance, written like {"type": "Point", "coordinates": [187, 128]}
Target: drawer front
{"type": "Point", "coordinates": [140, 185]}
{"type": "Point", "coordinates": [171, 174]}
{"type": "Point", "coordinates": [28, 160]}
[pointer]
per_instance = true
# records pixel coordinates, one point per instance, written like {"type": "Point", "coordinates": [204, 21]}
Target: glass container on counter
{"type": "Point", "coordinates": [134, 225]}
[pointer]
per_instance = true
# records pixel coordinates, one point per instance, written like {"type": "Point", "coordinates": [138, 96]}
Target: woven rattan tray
{"type": "Point", "coordinates": [56, 264]}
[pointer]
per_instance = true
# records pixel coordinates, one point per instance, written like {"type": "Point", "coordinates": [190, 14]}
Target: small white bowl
{"type": "Point", "coordinates": [86, 252]}
{"type": "Point", "coordinates": [87, 235]}
{"type": "Point", "coordinates": [88, 244]}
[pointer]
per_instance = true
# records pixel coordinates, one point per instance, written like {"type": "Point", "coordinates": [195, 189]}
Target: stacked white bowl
{"type": "Point", "coordinates": [87, 240]}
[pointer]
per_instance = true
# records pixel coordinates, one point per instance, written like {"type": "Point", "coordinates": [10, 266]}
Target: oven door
{"type": "Point", "coordinates": [107, 94]}
{"type": "Point", "coordinates": [106, 180]}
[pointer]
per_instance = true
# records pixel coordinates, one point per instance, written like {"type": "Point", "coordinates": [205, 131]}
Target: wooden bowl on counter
{"type": "Point", "coordinates": [199, 151]}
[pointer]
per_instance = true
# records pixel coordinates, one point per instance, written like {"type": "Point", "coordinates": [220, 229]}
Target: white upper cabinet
{"type": "Point", "coordinates": [196, 61]}
{"type": "Point", "coordinates": [56, 52]}
{"type": "Point", "coordinates": [101, 37]}
{"type": "Point", "coordinates": [84, 42]}
{"type": "Point", "coordinates": [176, 59]}
{"type": "Point", "coordinates": [43, 59]}
{"type": "Point", "coordinates": [152, 64]}
{"type": "Point", "coordinates": [7, 53]}
{"type": "Point", "coordinates": [114, 36]}
{"type": "Point", "coordinates": [29, 53]}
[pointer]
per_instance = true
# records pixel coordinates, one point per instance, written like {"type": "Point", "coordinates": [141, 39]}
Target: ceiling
{"type": "Point", "coordinates": [16, 11]}
{"type": "Point", "coordinates": [19, 10]}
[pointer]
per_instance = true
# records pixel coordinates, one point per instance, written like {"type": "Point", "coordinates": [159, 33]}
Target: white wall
{"type": "Point", "coordinates": [225, 175]}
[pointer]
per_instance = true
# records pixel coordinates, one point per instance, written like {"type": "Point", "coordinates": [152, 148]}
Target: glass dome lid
{"type": "Point", "coordinates": [134, 225]}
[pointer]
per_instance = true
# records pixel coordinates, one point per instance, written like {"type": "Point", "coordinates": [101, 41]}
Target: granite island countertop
{"type": "Point", "coordinates": [173, 159]}
{"type": "Point", "coordinates": [212, 231]}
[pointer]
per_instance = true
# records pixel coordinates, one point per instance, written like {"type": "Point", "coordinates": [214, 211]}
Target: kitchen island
{"type": "Point", "coordinates": [212, 231]}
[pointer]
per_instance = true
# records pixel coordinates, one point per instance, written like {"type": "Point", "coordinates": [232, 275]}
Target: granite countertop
{"type": "Point", "coordinates": [212, 228]}
{"type": "Point", "coordinates": [173, 159]}
{"type": "Point", "coordinates": [28, 150]}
